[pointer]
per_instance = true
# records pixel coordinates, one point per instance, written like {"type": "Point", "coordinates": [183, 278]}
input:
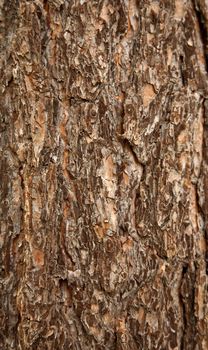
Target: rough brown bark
{"type": "Point", "coordinates": [103, 167]}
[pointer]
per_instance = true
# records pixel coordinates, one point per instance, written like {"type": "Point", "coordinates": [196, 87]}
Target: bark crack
{"type": "Point", "coordinates": [203, 31]}
{"type": "Point", "coordinates": [187, 304]}
{"type": "Point", "coordinates": [202, 208]}
{"type": "Point", "coordinates": [183, 309]}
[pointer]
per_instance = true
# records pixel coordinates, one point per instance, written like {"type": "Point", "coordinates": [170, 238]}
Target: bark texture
{"type": "Point", "coordinates": [103, 167]}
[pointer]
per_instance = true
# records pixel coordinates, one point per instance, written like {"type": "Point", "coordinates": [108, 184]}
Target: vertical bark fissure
{"type": "Point", "coordinates": [187, 305]}
{"type": "Point", "coordinates": [183, 309]}
{"type": "Point", "coordinates": [203, 174]}
{"type": "Point", "coordinates": [203, 25]}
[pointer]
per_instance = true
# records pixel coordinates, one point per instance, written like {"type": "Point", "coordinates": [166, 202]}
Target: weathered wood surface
{"type": "Point", "coordinates": [104, 187]}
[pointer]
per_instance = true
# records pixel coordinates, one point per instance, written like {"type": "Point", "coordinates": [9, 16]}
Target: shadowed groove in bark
{"type": "Point", "coordinates": [203, 26]}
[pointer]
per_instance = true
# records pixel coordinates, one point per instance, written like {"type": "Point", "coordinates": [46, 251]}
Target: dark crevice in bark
{"type": "Point", "coordinates": [183, 308]}
{"type": "Point", "coordinates": [203, 30]}
{"type": "Point", "coordinates": [122, 112]}
{"type": "Point", "coordinates": [182, 70]}
{"type": "Point", "coordinates": [187, 303]}
{"type": "Point", "coordinates": [19, 319]}
{"type": "Point", "coordinates": [184, 325]}
{"type": "Point", "coordinates": [63, 283]}
{"type": "Point", "coordinates": [202, 209]}
{"type": "Point", "coordinates": [127, 144]}
{"type": "Point", "coordinates": [10, 81]}
{"type": "Point", "coordinates": [162, 255]}
{"type": "Point", "coordinates": [205, 105]}
{"type": "Point", "coordinates": [192, 317]}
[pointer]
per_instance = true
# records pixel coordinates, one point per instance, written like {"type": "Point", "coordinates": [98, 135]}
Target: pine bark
{"type": "Point", "coordinates": [104, 174]}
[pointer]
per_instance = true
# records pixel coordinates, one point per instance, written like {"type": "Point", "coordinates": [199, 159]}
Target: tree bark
{"type": "Point", "coordinates": [103, 167]}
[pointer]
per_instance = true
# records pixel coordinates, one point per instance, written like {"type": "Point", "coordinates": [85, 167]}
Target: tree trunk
{"type": "Point", "coordinates": [104, 174]}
